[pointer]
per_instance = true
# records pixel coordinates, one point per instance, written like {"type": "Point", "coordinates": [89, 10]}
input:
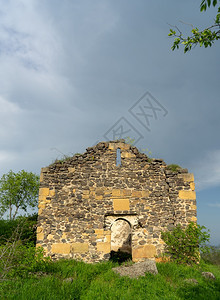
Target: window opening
{"type": "Point", "coordinates": [118, 157]}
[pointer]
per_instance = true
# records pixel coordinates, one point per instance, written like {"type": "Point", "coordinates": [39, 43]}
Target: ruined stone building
{"type": "Point", "coordinates": [111, 198]}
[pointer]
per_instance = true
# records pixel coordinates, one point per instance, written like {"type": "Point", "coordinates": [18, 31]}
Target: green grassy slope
{"type": "Point", "coordinates": [98, 281]}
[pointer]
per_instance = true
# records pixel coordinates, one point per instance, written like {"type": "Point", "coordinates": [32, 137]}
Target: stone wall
{"type": "Point", "coordinates": [82, 198]}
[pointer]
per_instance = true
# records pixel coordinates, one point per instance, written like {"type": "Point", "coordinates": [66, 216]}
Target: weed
{"type": "Point", "coordinates": [174, 168]}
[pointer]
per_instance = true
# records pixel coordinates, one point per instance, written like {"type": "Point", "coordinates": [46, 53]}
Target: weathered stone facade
{"type": "Point", "coordinates": [88, 206]}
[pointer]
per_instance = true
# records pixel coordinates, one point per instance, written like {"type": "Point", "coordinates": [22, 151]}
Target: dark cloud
{"type": "Point", "coordinates": [70, 70]}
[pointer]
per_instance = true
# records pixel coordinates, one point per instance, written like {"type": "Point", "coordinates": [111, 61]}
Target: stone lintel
{"type": "Point", "coordinates": [122, 146]}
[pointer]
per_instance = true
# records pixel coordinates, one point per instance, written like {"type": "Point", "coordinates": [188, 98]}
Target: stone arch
{"type": "Point", "coordinates": [121, 235]}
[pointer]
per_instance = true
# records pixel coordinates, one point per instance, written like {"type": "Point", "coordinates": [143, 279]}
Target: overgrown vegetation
{"type": "Point", "coordinates": [184, 245]}
{"type": "Point", "coordinates": [174, 167]}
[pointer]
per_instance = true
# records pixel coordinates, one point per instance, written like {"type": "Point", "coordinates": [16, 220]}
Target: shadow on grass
{"type": "Point", "coordinates": [119, 256]}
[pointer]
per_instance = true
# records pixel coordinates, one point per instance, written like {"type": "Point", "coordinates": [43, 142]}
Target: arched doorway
{"type": "Point", "coordinates": [121, 236]}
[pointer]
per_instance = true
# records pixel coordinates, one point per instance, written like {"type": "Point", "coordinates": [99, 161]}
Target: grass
{"type": "Point", "coordinates": [98, 281]}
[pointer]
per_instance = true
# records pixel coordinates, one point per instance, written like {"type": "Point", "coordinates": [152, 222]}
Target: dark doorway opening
{"type": "Point", "coordinates": [121, 241]}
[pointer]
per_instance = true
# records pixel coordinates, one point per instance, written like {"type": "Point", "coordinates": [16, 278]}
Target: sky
{"type": "Point", "coordinates": [73, 73]}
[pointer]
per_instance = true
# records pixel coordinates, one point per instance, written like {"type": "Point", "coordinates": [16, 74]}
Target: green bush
{"type": "Point", "coordinates": [26, 225]}
{"type": "Point", "coordinates": [18, 260]}
{"type": "Point", "coordinates": [183, 245]}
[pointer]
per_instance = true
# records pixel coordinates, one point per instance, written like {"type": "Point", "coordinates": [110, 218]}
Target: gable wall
{"type": "Point", "coordinates": [78, 197]}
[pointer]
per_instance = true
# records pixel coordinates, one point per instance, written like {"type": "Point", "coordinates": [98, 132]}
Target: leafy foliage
{"type": "Point", "coordinates": [183, 245]}
{"type": "Point", "coordinates": [205, 37]}
{"type": "Point", "coordinates": [18, 191]}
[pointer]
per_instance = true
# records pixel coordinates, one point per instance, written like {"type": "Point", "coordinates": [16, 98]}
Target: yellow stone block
{"type": "Point", "coordinates": [42, 198]}
{"type": "Point", "coordinates": [185, 195]}
{"type": "Point", "coordinates": [107, 232]}
{"type": "Point", "coordinates": [50, 237]}
{"type": "Point", "coordinates": [41, 177]}
{"type": "Point", "coordinates": [86, 192]}
{"type": "Point", "coordinates": [145, 194]}
{"type": "Point", "coordinates": [126, 192]}
{"type": "Point", "coordinates": [146, 251]}
{"type": "Point", "coordinates": [39, 229]}
{"type": "Point", "coordinates": [52, 193]}
{"type": "Point", "coordinates": [40, 210]}
{"type": "Point", "coordinates": [44, 191]}
{"type": "Point", "coordinates": [187, 177]}
{"type": "Point", "coordinates": [79, 247]}
{"type": "Point", "coordinates": [104, 247]}
{"type": "Point", "coordinates": [99, 231]}
{"type": "Point", "coordinates": [192, 186]}
{"type": "Point", "coordinates": [42, 206]}
{"type": "Point", "coordinates": [71, 170]}
{"type": "Point", "coordinates": [111, 146]}
{"type": "Point", "coordinates": [40, 236]}
{"type": "Point", "coordinates": [116, 193]}
{"type": "Point", "coordinates": [193, 207]}
{"type": "Point", "coordinates": [61, 248]}
{"type": "Point", "coordinates": [193, 219]}
{"type": "Point", "coordinates": [123, 146]}
{"type": "Point", "coordinates": [137, 194]}
{"type": "Point", "coordinates": [121, 204]}
{"type": "Point", "coordinates": [127, 155]}
{"type": "Point", "coordinates": [64, 235]}
{"type": "Point", "coordinates": [85, 196]}
{"type": "Point", "coordinates": [74, 190]}
{"type": "Point", "coordinates": [98, 197]}
{"type": "Point", "coordinates": [108, 238]}
{"type": "Point", "coordinates": [107, 191]}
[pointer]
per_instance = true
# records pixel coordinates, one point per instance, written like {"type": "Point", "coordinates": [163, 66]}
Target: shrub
{"type": "Point", "coordinates": [17, 259]}
{"type": "Point", "coordinates": [18, 253]}
{"type": "Point", "coordinates": [26, 225]}
{"type": "Point", "coordinates": [184, 245]}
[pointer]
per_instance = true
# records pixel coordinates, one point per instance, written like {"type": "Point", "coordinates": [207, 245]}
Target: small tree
{"type": "Point", "coordinates": [184, 245]}
{"type": "Point", "coordinates": [18, 191]}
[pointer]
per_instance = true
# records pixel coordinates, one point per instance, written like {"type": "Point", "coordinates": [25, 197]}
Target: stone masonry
{"type": "Point", "coordinates": [89, 206]}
